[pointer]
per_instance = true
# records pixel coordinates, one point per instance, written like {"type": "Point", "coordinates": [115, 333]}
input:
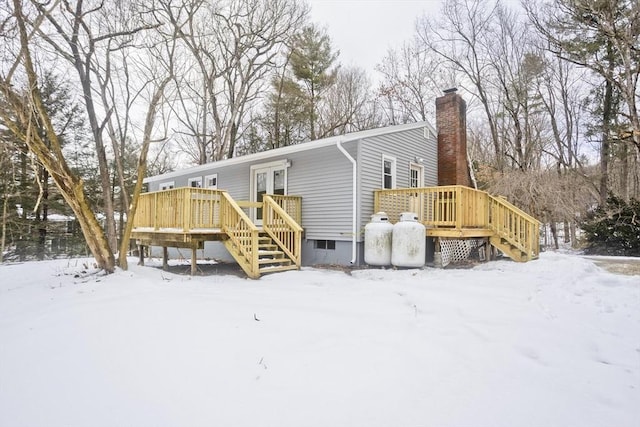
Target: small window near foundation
{"type": "Point", "coordinates": [326, 244]}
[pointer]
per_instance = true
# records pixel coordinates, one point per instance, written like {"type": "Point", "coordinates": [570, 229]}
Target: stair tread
{"type": "Point", "coordinates": [275, 269]}
{"type": "Point", "coordinates": [269, 252]}
{"type": "Point", "coordinates": [286, 261]}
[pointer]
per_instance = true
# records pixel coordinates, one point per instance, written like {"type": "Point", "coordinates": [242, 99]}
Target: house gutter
{"type": "Point", "coordinates": [354, 224]}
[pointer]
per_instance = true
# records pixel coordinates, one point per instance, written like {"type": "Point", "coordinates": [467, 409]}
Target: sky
{"type": "Point", "coordinates": [364, 30]}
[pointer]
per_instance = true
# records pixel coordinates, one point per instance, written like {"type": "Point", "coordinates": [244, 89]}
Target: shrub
{"type": "Point", "coordinates": [613, 229]}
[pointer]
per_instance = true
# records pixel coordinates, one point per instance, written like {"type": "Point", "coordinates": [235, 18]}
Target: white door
{"type": "Point", "coordinates": [416, 180]}
{"type": "Point", "coordinates": [267, 180]}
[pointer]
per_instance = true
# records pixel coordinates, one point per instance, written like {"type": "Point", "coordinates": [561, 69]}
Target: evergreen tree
{"type": "Point", "coordinates": [312, 63]}
{"type": "Point", "coordinates": [614, 228]}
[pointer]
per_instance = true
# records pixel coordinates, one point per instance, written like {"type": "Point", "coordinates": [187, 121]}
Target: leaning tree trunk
{"type": "Point", "coordinates": [28, 113]}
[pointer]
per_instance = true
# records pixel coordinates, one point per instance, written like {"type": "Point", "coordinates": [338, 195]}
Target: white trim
{"type": "Point", "coordinates": [270, 167]}
{"type": "Point", "coordinates": [284, 163]}
{"type": "Point", "coordinates": [207, 178]}
{"type": "Point", "coordinates": [264, 155]}
{"type": "Point", "coordinates": [197, 179]}
{"type": "Point", "coordinates": [420, 168]}
{"type": "Point", "coordinates": [394, 163]}
{"type": "Point", "coordinates": [167, 185]}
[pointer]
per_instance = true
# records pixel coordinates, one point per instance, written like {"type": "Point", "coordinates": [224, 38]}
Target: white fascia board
{"type": "Point", "coordinates": [250, 158]}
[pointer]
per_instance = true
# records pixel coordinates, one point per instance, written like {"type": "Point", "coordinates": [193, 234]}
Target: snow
{"type": "Point", "coordinates": [553, 342]}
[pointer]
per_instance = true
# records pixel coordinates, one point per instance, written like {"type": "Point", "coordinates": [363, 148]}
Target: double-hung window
{"type": "Point", "coordinates": [388, 172]}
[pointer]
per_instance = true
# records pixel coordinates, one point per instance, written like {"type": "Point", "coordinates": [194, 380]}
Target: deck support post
{"type": "Point", "coordinates": [165, 258]}
{"type": "Point", "coordinates": [194, 253]}
{"type": "Point", "coordinates": [140, 254]}
{"type": "Point", "coordinates": [437, 254]}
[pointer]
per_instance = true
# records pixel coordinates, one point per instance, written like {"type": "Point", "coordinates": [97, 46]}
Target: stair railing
{"type": "Point", "coordinates": [242, 232]}
{"type": "Point", "coordinates": [514, 225]}
{"type": "Point", "coordinates": [283, 230]}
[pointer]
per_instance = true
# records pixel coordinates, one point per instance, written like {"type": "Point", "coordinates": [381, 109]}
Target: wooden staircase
{"type": "Point", "coordinates": [270, 258]}
{"type": "Point", "coordinates": [510, 249]}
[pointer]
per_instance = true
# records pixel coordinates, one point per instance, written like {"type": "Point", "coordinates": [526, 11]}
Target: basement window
{"type": "Point", "coordinates": [326, 244]}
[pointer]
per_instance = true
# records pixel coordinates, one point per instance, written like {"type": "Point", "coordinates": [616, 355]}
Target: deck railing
{"type": "Point", "coordinates": [201, 209]}
{"type": "Point", "coordinates": [460, 207]}
{"type": "Point", "coordinates": [180, 208]}
{"type": "Point", "coordinates": [447, 206]}
{"type": "Point", "coordinates": [282, 228]}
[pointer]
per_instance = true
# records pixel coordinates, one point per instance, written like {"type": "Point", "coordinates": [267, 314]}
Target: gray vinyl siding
{"type": "Point", "coordinates": [323, 177]}
{"type": "Point", "coordinates": [404, 147]}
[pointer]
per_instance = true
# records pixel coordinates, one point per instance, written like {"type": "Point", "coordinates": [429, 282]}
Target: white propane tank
{"type": "Point", "coordinates": [377, 240]}
{"type": "Point", "coordinates": [409, 244]}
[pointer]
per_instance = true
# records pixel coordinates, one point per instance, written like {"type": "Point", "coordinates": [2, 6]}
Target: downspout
{"type": "Point", "coordinates": [354, 224]}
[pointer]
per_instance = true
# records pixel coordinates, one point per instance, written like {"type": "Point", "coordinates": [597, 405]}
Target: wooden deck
{"type": "Point", "coordinates": [459, 212]}
{"type": "Point", "coordinates": [189, 217]}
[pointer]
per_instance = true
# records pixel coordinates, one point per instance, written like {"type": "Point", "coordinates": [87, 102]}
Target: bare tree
{"type": "Point", "coordinates": [343, 108]}
{"type": "Point", "coordinates": [24, 115]}
{"type": "Point", "coordinates": [412, 78]}
{"type": "Point", "coordinates": [461, 36]}
{"type": "Point", "coordinates": [75, 31]}
{"type": "Point", "coordinates": [233, 46]}
{"type": "Point", "coordinates": [603, 36]}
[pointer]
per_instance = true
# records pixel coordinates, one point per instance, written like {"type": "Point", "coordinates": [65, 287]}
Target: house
{"type": "Point", "coordinates": [327, 189]}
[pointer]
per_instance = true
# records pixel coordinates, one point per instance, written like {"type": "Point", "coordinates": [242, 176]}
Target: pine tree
{"type": "Point", "coordinates": [312, 60]}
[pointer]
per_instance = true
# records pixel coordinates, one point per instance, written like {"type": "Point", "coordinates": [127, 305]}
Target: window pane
{"type": "Point", "coordinates": [387, 167]}
{"type": "Point", "coordinates": [261, 182]}
{"type": "Point", "coordinates": [278, 181]}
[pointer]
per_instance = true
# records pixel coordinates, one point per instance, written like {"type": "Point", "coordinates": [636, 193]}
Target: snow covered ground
{"type": "Point", "coordinates": [554, 342]}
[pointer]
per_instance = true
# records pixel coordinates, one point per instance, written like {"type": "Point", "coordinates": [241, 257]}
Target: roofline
{"type": "Point", "coordinates": [325, 142]}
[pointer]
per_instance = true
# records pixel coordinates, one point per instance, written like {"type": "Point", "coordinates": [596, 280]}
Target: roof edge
{"type": "Point", "coordinates": [349, 137]}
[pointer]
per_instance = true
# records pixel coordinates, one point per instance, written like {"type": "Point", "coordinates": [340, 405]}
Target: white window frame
{"type": "Point", "coordinates": [196, 179]}
{"type": "Point", "coordinates": [208, 178]}
{"type": "Point", "coordinates": [279, 164]}
{"type": "Point", "coordinates": [168, 185]}
{"type": "Point", "coordinates": [393, 161]}
{"type": "Point", "coordinates": [420, 169]}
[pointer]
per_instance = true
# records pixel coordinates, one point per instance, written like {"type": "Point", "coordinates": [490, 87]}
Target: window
{"type": "Point", "coordinates": [195, 182]}
{"type": "Point", "coordinates": [167, 185]}
{"type": "Point", "coordinates": [211, 181]}
{"type": "Point", "coordinates": [388, 172]}
{"type": "Point", "coordinates": [416, 175]}
{"type": "Point", "coordinates": [326, 244]}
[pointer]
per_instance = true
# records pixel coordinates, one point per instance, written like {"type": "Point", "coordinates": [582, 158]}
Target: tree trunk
{"type": "Point", "coordinates": [554, 234]}
{"type": "Point", "coordinates": [50, 153]}
{"type": "Point", "coordinates": [4, 226]}
{"type": "Point", "coordinates": [141, 170]}
{"type": "Point", "coordinates": [605, 149]}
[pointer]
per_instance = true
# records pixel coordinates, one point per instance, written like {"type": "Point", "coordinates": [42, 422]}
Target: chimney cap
{"type": "Point", "coordinates": [451, 90]}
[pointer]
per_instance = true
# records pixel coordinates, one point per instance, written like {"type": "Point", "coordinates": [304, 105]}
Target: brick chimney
{"type": "Point", "coordinates": [451, 123]}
